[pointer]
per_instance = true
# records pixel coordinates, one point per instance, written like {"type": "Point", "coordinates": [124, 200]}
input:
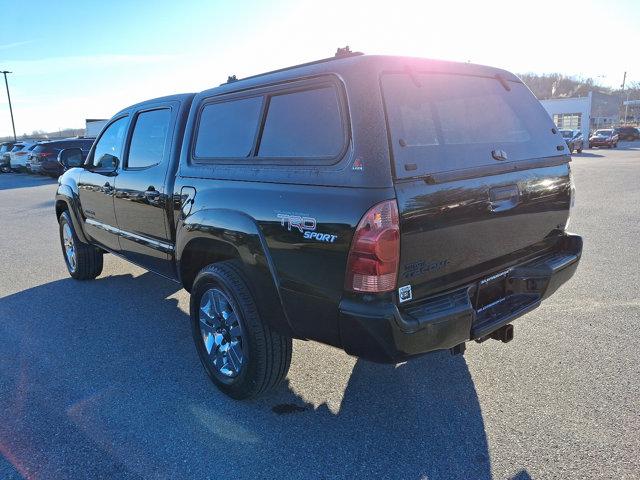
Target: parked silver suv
{"type": "Point", "coordinates": [574, 139]}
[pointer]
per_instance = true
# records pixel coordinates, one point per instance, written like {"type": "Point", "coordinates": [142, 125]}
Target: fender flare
{"type": "Point", "coordinates": [240, 232]}
{"type": "Point", "coordinates": [70, 198]}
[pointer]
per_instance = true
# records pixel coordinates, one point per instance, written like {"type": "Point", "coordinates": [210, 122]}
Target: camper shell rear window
{"type": "Point", "coordinates": [449, 122]}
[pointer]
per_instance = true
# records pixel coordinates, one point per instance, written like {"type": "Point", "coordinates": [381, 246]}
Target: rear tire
{"type": "Point", "coordinates": [240, 352]}
{"type": "Point", "coordinates": [579, 150]}
{"type": "Point", "coordinates": [83, 261]}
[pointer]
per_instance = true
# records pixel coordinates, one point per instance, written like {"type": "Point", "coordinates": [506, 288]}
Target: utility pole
{"type": "Point", "coordinates": [626, 107]}
{"type": "Point", "coordinates": [624, 80]}
{"type": "Point", "coordinates": [6, 83]}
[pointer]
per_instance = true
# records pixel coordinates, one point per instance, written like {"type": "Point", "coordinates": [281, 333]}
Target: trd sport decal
{"type": "Point", "coordinates": [297, 221]}
{"type": "Point", "coordinates": [423, 267]}
{"type": "Point", "coordinates": [306, 225]}
{"type": "Point", "coordinates": [322, 237]}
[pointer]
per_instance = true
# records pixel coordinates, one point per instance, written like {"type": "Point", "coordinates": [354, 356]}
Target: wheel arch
{"type": "Point", "coordinates": [66, 200]}
{"type": "Point", "coordinates": [214, 235]}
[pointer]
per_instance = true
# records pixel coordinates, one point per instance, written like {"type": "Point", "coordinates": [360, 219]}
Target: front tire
{"type": "Point", "coordinates": [84, 262]}
{"type": "Point", "coordinates": [240, 352]}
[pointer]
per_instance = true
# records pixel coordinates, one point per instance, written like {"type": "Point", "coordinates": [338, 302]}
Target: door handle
{"type": "Point", "coordinates": [151, 194]}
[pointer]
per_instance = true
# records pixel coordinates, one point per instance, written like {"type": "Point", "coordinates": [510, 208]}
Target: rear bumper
{"type": "Point", "coordinates": [381, 332]}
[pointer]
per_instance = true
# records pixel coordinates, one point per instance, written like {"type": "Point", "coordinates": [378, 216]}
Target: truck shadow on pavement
{"type": "Point", "coordinates": [22, 180]}
{"type": "Point", "coordinates": [587, 155]}
{"type": "Point", "coordinates": [100, 380]}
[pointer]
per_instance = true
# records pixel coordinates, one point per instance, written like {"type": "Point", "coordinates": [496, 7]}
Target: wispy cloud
{"type": "Point", "coordinates": [53, 65]}
{"type": "Point", "coordinates": [7, 46]}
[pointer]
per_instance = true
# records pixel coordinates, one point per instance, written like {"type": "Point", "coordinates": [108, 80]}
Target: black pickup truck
{"type": "Point", "coordinates": [387, 206]}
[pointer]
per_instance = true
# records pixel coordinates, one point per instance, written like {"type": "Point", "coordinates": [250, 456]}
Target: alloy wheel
{"type": "Point", "coordinates": [221, 333]}
{"type": "Point", "coordinates": [69, 247]}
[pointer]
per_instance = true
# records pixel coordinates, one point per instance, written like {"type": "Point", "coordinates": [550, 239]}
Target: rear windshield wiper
{"type": "Point", "coordinates": [412, 75]}
{"type": "Point", "coordinates": [503, 82]}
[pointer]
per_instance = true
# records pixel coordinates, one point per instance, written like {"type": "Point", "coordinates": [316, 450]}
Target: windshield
{"type": "Point", "coordinates": [604, 133]}
{"type": "Point", "coordinates": [444, 122]}
{"type": "Point", "coordinates": [567, 133]}
{"type": "Point", "coordinates": [17, 148]}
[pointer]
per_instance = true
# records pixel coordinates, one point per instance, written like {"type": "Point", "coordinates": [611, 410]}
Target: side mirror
{"type": "Point", "coordinates": [107, 164]}
{"type": "Point", "coordinates": [70, 158]}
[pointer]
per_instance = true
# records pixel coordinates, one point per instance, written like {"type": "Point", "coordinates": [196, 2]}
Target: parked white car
{"type": "Point", "coordinates": [19, 154]}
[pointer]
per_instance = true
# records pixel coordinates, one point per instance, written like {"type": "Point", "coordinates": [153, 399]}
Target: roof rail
{"type": "Point", "coordinates": [340, 54]}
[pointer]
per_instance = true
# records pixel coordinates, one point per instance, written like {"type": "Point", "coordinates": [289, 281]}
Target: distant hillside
{"type": "Point", "coordinates": [42, 135]}
{"type": "Point", "coordinates": [556, 85]}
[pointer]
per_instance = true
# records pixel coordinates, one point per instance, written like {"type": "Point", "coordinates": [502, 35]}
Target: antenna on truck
{"type": "Point", "coordinates": [345, 52]}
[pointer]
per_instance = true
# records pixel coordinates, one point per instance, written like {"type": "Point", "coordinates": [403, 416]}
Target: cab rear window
{"type": "Point", "coordinates": [442, 122]}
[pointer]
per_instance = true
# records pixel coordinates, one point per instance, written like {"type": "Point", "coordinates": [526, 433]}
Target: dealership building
{"type": "Point", "coordinates": [596, 110]}
{"type": "Point", "coordinates": [632, 111]}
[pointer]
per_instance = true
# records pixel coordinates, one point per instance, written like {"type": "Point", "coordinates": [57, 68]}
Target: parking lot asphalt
{"type": "Point", "coordinates": [101, 379]}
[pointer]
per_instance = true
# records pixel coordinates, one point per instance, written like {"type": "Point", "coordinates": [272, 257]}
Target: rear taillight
{"type": "Point", "coordinates": [572, 199]}
{"type": "Point", "coordinates": [45, 154]}
{"type": "Point", "coordinates": [375, 251]}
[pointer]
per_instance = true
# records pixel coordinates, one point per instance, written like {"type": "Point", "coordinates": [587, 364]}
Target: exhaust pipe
{"type": "Point", "coordinates": [504, 334]}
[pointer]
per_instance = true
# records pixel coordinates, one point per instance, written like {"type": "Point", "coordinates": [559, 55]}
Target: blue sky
{"type": "Point", "coordinates": [81, 59]}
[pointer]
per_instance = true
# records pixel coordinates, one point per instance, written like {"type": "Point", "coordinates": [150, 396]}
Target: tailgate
{"type": "Point", "coordinates": [481, 176]}
{"type": "Point", "coordinates": [455, 232]}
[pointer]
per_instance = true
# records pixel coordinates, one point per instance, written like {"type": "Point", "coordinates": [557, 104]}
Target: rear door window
{"type": "Point", "coordinates": [303, 124]}
{"type": "Point", "coordinates": [228, 129]}
{"type": "Point", "coordinates": [445, 122]}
